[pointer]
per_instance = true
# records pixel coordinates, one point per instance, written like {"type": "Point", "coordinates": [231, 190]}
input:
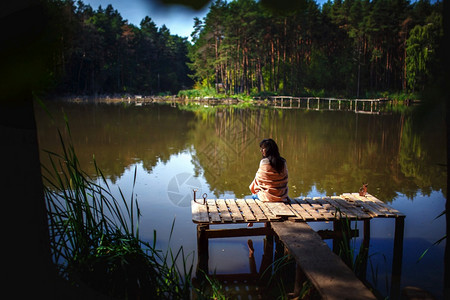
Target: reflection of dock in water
{"type": "Point", "coordinates": [362, 106]}
{"type": "Point", "coordinates": [286, 222]}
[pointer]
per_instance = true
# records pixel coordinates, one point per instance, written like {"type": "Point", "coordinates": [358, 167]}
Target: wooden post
{"type": "Point", "coordinates": [366, 244]}
{"type": "Point", "coordinates": [397, 257]}
{"type": "Point", "coordinates": [337, 227]}
{"type": "Point", "coordinates": [267, 259]}
{"type": "Point", "coordinates": [366, 239]}
{"type": "Point", "coordinates": [202, 250]}
{"type": "Point", "coordinates": [279, 248]}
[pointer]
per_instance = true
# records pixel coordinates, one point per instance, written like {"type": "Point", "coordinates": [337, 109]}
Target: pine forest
{"type": "Point", "coordinates": [350, 48]}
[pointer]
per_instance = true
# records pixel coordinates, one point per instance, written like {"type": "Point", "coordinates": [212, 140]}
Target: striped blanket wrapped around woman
{"type": "Point", "coordinates": [270, 185]}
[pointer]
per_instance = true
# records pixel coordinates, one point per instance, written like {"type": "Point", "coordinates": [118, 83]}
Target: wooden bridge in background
{"type": "Point", "coordinates": [363, 106]}
{"type": "Point", "coordinates": [287, 222]}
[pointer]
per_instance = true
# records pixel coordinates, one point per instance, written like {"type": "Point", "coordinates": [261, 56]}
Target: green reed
{"type": "Point", "coordinates": [94, 236]}
{"type": "Point", "coordinates": [355, 260]}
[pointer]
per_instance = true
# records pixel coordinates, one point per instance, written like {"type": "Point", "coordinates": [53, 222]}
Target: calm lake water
{"type": "Point", "coordinates": [216, 150]}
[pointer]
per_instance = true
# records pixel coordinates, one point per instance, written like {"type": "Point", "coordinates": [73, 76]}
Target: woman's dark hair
{"type": "Point", "coordinates": [273, 154]}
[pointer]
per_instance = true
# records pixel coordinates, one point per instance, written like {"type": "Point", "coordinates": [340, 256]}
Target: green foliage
{"type": "Point", "coordinates": [210, 288]}
{"type": "Point", "coordinates": [347, 247]}
{"type": "Point", "coordinates": [314, 93]}
{"type": "Point", "coordinates": [208, 92]}
{"type": "Point", "coordinates": [345, 48]}
{"type": "Point", "coordinates": [98, 52]}
{"type": "Point", "coordinates": [423, 52]}
{"type": "Point", "coordinates": [94, 237]}
{"type": "Point", "coordinates": [199, 93]}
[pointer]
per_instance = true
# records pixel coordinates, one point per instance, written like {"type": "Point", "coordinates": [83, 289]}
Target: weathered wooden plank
{"type": "Point", "coordinates": [319, 209]}
{"type": "Point", "coordinates": [364, 205]}
{"type": "Point", "coordinates": [235, 212]}
{"type": "Point", "coordinates": [223, 210]}
{"type": "Point", "coordinates": [301, 213]}
{"type": "Point", "coordinates": [321, 200]}
{"type": "Point", "coordinates": [373, 209]}
{"type": "Point", "coordinates": [280, 209]}
{"type": "Point", "coordinates": [394, 211]}
{"type": "Point", "coordinates": [304, 212]}
{"type": "Point", "coordinates": [266, 210]}
{"type": "Point", "coordinates": [310, 210]}
{"type": "Point", "coordinates": [381, 203]}
{"type": "Point", "coordinates": [326, 271]}
{"type": "Point", "coordinates": [361, 214]}
{"type": "Point", "coordinates": [342, 207]}
{"type": "Point", "coordinates": [367, 208]}
{"type": "Point", "coordinates": [358, 212]}
{"type": "Point", "coordinates": [351, 205]}
{"type": "Point", "coordinates": [306, 205]}
{"type": "Point", "coordinates": [318, 203]}
{"type": "Point", "coordinates": [199, 212]}
{"type": "Point", "coordinates": [213, 211]}
{"type": "Point", "coordinates": [346, 195]}
{"type": "Point", "coordinates": [245, 210]}
{"type": "Point", "coordinates": [301, 200]}
{"type": "Point", "coordinates": [383, 207]}
{"type": "Point", "coordinates": [369, 198]}
{"type": "Point", "coordinates": [298, 216]}
{"type": "Point", "coordinates": [330, 209]}
{"type": "Point", "coordinates": [257, 212]}
{"type": "Point", "coordinates": [373, 206]}
{"type": "Point", "coordinates": [373, 198]}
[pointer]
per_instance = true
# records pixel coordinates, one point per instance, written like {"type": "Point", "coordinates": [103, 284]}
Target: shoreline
{"type": "Point", "coordinates": [139, 99]}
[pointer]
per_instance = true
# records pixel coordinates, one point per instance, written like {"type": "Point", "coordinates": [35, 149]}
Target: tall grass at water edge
{"type": "Point", "coordinates": [94, 237]}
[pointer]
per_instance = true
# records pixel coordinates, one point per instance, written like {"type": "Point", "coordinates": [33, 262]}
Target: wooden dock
{"type": "Point", "coordinates": [288, 222]}
{"type": "Point", "coordinates": [351, 206]}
